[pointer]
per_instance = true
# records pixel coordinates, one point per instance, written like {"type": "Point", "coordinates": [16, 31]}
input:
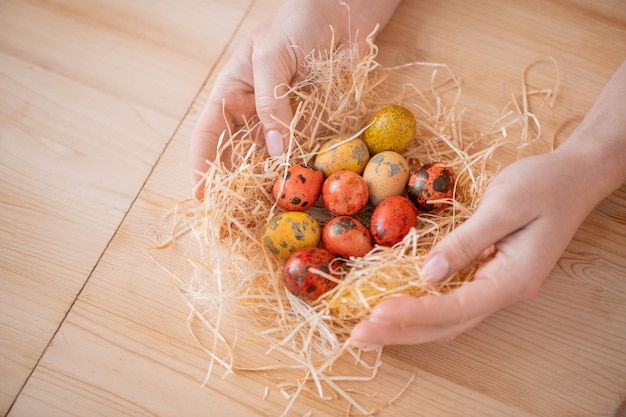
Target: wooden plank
{"type": "Point", "coordinates": [124, 348]}
{"type": "Point", "coordinates": [90, 93]}
{"type": "Point", "coordinates": [62, 384]}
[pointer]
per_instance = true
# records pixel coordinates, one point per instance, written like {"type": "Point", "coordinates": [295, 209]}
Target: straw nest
{"type": "Point", "coordinates": [228, 271]}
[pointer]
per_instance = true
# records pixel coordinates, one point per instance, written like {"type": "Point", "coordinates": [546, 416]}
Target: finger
{"type": "Point", "coordinates": [213, 126]}
{"type": "Point", "coordinates": [513, 274]}
{"type": "Point", "coordinates": [229, 104]}
{"type": "Point", "coordinates": [488, 225]}
{"type": "Point", "coordinates": [203, 146]}
{"type": "Point", "coordinates": [408, 320]}
{"type": "Point", "coordinates": [369, 335]}
{"type": "Point", "coordinates": [478, 298]}
{"type": "Point", "coordinates": [271, 71]}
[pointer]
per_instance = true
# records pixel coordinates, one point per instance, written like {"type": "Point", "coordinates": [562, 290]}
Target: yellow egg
{"type": "Point", "coordinates": [391, 128]}
{"type": "Point", "coordinates": [336, 156]}
{"type": "Point", "coordinates": [386, 174]}
{"type": "Point", "coordinates": [287, 232]}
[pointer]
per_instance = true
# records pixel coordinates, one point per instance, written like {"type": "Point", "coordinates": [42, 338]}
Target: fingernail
{"type": "Point", "coordinates": [274, 142]}
{"type": "Point", "coordinates": [436, 268]}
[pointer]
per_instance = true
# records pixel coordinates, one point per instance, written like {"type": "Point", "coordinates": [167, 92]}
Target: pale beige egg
{"type": "Point", "coordinates": [386, 174]}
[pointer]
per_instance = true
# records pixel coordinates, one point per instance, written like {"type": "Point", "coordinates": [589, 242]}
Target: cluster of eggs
{"type": "Point", "coordinates": [348, 174]}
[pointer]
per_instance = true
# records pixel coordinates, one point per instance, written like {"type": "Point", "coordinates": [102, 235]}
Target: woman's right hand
{"type": "Point", "coordinates": [273, 55]}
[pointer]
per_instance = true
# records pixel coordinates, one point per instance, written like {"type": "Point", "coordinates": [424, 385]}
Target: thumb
{"type": "Point", "coordinates": [272, 107]}
{"type": "Point", "coordinates": [468, 242]}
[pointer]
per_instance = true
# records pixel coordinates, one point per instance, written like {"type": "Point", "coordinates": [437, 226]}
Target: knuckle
{"type": "Point", "coordinates": [466, 248]}
{"type": "Point", "coordinates": [265, 106]}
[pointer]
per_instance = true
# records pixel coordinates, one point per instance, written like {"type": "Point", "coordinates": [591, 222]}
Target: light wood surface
{"type": "Point", "coordinates": [97, 102]}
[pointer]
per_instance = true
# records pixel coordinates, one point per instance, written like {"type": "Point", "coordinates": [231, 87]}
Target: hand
{"type": "Point", "coordinates": [271, 56]}
{"type": "Point", "coordinates": [530, 212]}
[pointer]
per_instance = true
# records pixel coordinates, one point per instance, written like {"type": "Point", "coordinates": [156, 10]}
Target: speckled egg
{"type": "Point", "coordinates": [391, 128]}
{"type": "Point", "coordinates": [392, 220]}
{"type": "Point", "coordinates": [345, 193]}
{"type": "Point", "coordinates": [287, 232]}
{"type": "Point", "coordinates": [346, 236]}
{"type": "Point", "coordinates": [386, 174]}
{"type": "Point", "coordinates": [337, 155]}
{"type": "Point", "coordinates": [298, 188]}
{"type": "Point", "coordinates": [300, 276]}
{"type": "Point", "coordinates": [433, 181]}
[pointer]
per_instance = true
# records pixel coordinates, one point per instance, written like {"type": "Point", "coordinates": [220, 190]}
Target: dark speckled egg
{"type": "Point", "coordinates": [298, 188]}
{"type": "Point", "coordinates": [300, 272]}
{"type": "Point", "coordinates": [433, 181]}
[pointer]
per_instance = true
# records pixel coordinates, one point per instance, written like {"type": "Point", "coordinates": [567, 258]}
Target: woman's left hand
{"type": "Point", "coordinates": [529, 212]}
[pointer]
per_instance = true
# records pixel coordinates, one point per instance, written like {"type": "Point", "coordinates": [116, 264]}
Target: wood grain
{"type": "Point", "coordinates": [91, 96]}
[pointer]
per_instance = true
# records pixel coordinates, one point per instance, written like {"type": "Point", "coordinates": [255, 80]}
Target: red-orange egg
{"type": "Point", "coordinates": [345, 193]}
{"type": "Point", "coordinates": [433, 181]}
{"type": "Point", "coordinates": [392, 219]}
{"type": "Point", "coordinates": [298, 188]}
{"type": "Point", "coordinates": [300, 276]}
{"type": "Point", "coordinates": [346, 236]}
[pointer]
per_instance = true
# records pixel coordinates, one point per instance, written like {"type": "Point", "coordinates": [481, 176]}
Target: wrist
{"type": "Point", "coordinates": [597, 167]}
{"type": "Point", "coordinates": [598, 145]}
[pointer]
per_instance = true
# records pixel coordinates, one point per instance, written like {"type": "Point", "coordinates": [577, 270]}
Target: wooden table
{"type": "Point", "coordinates": [97, 102]}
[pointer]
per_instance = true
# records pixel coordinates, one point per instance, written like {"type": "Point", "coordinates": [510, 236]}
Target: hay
{"type": "Point", "coordinates": [223, 269]}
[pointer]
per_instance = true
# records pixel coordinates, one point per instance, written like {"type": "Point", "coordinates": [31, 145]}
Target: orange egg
{"type": "Point", "coordinates": [298, 188]}
{"type": "Point", "coordinates": [347, 237]}
{"type": "Point", "coordinates": [345, 193]}
{"type": "Point", "coordinates": [392, 220]}
{"type": "Point", "coordinates": [300, 276]}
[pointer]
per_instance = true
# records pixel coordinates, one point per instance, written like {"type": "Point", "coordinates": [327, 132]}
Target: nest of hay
{"type": "Point", "coordinates": [224, 269]}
